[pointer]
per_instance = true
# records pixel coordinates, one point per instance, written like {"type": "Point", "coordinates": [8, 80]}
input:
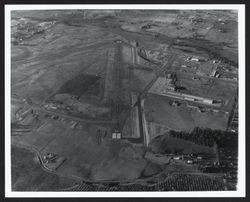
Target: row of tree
{"type": "Point", "coordinates": [177, 182]}
{"type": "Point", "coordinates": [209, 137]}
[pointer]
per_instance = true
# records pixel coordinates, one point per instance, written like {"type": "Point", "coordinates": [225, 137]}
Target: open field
{"type": "Point", "coordinates": [140, 79]}
{"type": "Point", "coordinates": [27, 175]}
{"type": "Point", "coordinates": [224, 32]}
{"type": "Point", "coordinates": [158, 110]}
{"type": "Point", "coordinates": [89, 159]}
{"type": "Point", "coordinates": [210, 88]}
{"type": "Point", "coordinates": [49, 64]}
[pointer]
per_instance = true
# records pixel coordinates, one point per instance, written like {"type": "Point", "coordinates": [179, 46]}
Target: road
{"type": "Point", "coordinates": [42, 164]}
{"type": "Point", "coordinates": [39, 108]}
{"type": "Point", "coordinates": [113, 121]}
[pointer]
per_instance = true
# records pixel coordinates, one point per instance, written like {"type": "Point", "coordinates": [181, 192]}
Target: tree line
{"type": "Point", "coordinates": [209, 137]}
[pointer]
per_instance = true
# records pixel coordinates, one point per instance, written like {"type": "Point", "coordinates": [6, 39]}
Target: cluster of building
{"type": "Point", "coordinates": [192, 98]}
{"type": "Point", "coordinates": [185, 158]}
{"type": "Point", "coordinates": [50, 158]}
{"type": "Point", "coordinates": [196, 59]}
{"type": "Point", "coordinates": [52, 161]}
{"type": "Point", "coordinates": [52, 105]}
{"type": "Point", "coordinates": [219, 69]}
{"type": "Point", "coordinates": [25, 29]}
{"type": "Point", "coordinates": [170, 82]}
{"type": "Point", "coordinates": [146, 26]}
{"type": "Point", "coordinates": [215, 74]}
{"type": "Point", "coordinates": [116, 135]}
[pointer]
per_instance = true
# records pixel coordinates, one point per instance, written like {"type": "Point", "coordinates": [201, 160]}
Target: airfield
{"type": "Point", "coordinates": [94, 91]}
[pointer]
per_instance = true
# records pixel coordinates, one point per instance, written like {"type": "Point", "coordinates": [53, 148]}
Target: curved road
{"type": "Point", "coordinates": [42, 164]}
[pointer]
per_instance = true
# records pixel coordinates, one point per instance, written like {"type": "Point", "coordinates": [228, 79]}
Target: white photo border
{"type": "Point", "coordinates": [241, 187]}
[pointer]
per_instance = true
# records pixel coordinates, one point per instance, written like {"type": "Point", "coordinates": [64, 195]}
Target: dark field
{"type": "Point", "coordinates": [165, 144]}
{"type": "Point", "coordinates": [78, 85]}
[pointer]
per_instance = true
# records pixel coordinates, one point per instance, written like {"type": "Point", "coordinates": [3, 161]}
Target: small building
{"type": "Point", "coordinates": [50, 158]}
{"type": "Point", "coordinates": [189, 99]}
{"type": "Point", "coordinates": [189, 162]}
{"type": "Point", "coordinates": [52, 107]}
{"type": "Point", "coordinates": [195, 59]}
{"type": "Point", "coordinates": [217, 75]}
{"type": "Point", "coordinates": [113, 135]}
{"type": "Point", "coordinates": [208, 101]}
{"type": "Point", "coordinates": [147, 26]}
{"type": "Point", "coordinates": [177, 158]}
{"type": "Point", "coordinates": [171, 87]}
{"type": "Point", "coordinates": [46, 106]}
{"type": "Point", "coordinates": [116, 135]}
{"type": "Point", "coordinates": [118, 41]}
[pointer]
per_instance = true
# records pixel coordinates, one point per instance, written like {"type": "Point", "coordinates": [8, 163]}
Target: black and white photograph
{"type": "Point", "coordinates": [146, 100]}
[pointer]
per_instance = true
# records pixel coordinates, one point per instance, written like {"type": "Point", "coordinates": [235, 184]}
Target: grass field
{"type": "Point", "coordinates": [140, 79]}
{"type": "Point", "coordinates": [61, 54]}
{"type": "Point", "coordinates": [158, 110]}
{"type": "Point", "coordinates": [86, 156]}
{"type": "Point", "coordinates": [156, 129]}
{"type": "Point", "coordinates": [209, 88]}
{"type": "Point", "coordinates": [229, 36]}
